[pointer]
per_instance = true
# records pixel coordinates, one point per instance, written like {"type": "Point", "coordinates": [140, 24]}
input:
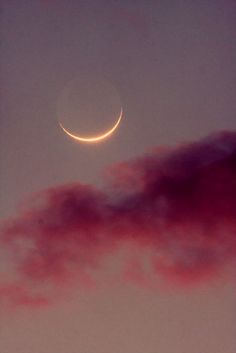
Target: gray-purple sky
{"type": "Point", "coordinates": [172, 67]}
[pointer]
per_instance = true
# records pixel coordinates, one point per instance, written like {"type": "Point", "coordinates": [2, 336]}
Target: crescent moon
{"type": "Point", "coordinates": [94, 138]}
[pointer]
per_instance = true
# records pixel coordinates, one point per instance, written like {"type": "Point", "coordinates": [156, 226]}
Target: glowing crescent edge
{"type": "Point", "coordinates": [96, 138]}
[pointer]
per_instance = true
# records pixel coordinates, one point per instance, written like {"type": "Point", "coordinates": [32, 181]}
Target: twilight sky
{"type": "Point", "coordinates": [171, 65]}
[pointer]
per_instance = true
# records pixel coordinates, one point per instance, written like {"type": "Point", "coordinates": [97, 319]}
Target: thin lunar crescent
{"type": "Point", "coordinates": [94, 138]}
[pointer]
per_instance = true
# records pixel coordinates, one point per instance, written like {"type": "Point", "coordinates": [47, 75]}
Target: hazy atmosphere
{"type": "Point", "coordinates": [118, 176]}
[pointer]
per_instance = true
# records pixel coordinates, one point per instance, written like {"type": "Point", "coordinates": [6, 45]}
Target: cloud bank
{"type": "Point", "coordinates": [178, 205]}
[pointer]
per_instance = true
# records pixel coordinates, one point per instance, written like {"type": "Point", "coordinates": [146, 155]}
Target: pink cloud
{"type": "Point", "coordinates": [178, 205]}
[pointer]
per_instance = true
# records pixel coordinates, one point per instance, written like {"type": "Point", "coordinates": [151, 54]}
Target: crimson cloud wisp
{"type": "Point", "coordinates": [177, 204]}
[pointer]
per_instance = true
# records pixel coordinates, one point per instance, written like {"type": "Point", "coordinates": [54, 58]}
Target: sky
{"type": "Point", "coordinates": [152, 267]}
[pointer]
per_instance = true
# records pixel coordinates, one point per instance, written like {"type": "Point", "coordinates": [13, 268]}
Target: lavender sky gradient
{"type": "Point", "coordinates": [173, 66]}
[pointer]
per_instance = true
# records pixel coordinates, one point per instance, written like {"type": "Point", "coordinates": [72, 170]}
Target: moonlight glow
{"type": "Point", "coordinates": [93, 138]}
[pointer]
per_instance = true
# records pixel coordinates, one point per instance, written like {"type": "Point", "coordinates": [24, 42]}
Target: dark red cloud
{"type": "Point", "coordinates": [177, 205]}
